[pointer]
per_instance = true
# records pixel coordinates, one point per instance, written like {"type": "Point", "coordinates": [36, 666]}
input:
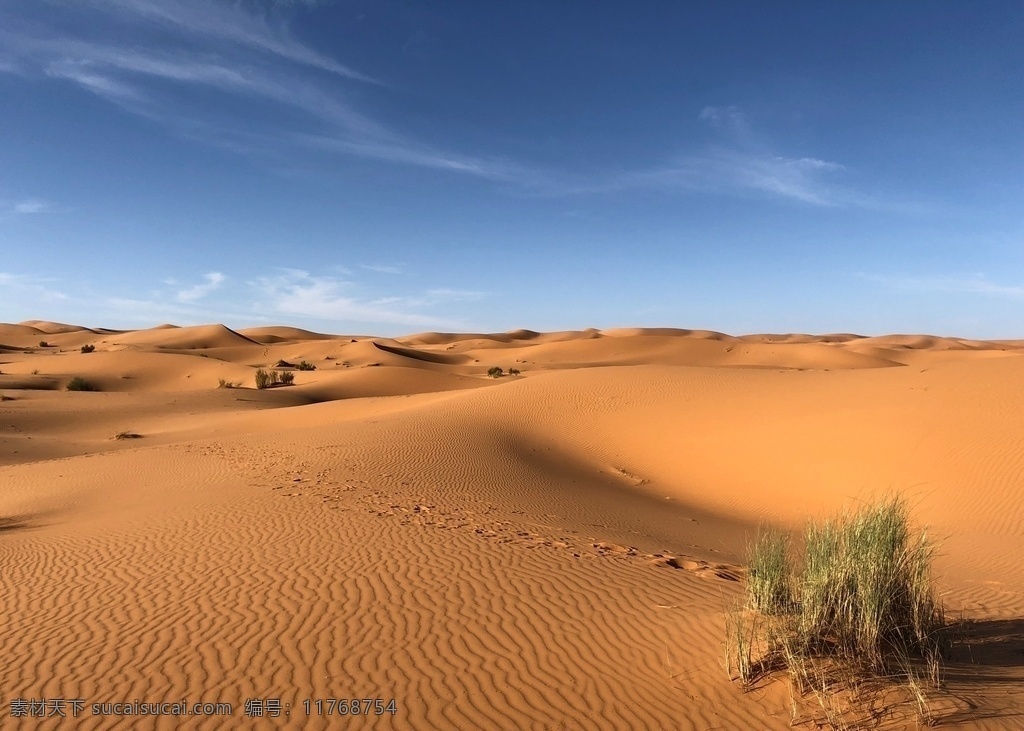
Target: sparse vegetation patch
{"type": "Point", "coordinates": [88, 348]}
{"type": "Point", "coordinates": [305, 366]}
{"type": "Point", "coordinates": [80, 384]}
{"type": "Point", "coordinates": [127, 435]}
{"type": "Point", "coordinates": [262, 379]}
{"type": "Point", "coordinates": [849, 617]}
{"type": "Point", "coordinates": [495, 372]}
{"type": "Point", "coordinates": [268, 379]}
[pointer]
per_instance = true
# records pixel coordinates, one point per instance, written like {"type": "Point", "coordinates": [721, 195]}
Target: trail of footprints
{"type": "Point", "coordinates": [291, 478]}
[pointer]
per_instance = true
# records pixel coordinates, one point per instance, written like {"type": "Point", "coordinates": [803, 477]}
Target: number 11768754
{"type": "Point", "coordinates": [349, 706]}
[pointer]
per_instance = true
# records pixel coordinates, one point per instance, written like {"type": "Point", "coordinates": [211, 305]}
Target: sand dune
{"type": "Point", "coordinates": [179, 338]}
{"type": "Point", "coordinates": [54, 328]}
{"type": "Point", "coordinates": [550, 550]}
{"type": "Point", "coordinates": [277, 334]}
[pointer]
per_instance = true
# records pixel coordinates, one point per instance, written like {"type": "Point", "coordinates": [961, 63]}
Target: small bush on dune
{"type": "Point", "coordinates": [80, 384]}
{"type": "Point", "coordinates": [88, 348]}
{"type": "Point", "coordinates": [495, 372]}
{"type": "Point", "coordinates": [857, 604]}
{"type": "Point", "coordinates": [127, 435]}
{"type": "Point", "coordinates": [287, 378]}
{"type": "Point", "coordinates": [513, 371]}
{"type": "Point", "coordinates": [222, 383]}
{"type": "Point", "coordinates": [275, 378]}
{"type": "Point", "coordinates": [304, 366]}
{"type": "Point", "coordinates": [262, 379]}
{"type": "Point", "coordinates": [43, 344]}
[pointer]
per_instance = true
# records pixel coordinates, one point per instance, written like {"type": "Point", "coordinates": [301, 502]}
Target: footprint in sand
{"type": "Point", "coordinates": [700, 568]}
{"type": "Point", "coordinates": [615, 549]}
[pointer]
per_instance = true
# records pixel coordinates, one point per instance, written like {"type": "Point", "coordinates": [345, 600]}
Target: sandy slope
{"type": "Point", "coordinates": [552, 550]}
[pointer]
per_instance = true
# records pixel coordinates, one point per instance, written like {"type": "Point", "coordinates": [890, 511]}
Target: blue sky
{"type": "Point", "coordinates": [388, 167]}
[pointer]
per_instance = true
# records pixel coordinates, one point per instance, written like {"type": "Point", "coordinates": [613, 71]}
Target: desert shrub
{"type": "Point", "coordinates": [287, 378]}
{"type": "Point", "coordinates": [127, 435]}
{"type": "Point", "coordinates": [513, 371]}
{"type": "Point", "coordinates": [80, 384]}
{"type": "Point", "coordinates": [495, 372]}
{"type": "Point", "coordinates": [43, 344]}
{"type": "Point", "coordinates": [88, 348]}
{"type": "Point", "coordinates": [856, 605]}
{"type": "Point", "coordinates": [222, 383]}
{"type": "Point", "coordinates": [275, 377]}
{"type": "Point", "coordinates": [35, 371]}
{"type": "Point", "coordinates": [262, 379]}
{"type": "Point", "coordinates": [305, 366]}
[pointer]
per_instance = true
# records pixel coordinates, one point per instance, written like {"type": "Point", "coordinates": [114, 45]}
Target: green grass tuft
{"type": "Point", "coordinates": [855, 607]}
{"type": "Point", "coordinates": [768, 584]}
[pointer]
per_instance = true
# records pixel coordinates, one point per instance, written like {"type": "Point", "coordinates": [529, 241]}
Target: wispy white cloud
{"type": "Point", "coordinates": [740, 162]}
{"type": "Point", "coordinates": [454, 295]}
{"type": "Point", "coordinates": [99, 84]}
{"type": "Point", "coordinates": [32, 205]}
{"type": "Point", "coordinates": [228, 22]}
{"type": "Point", "coordinates": [28, 286]}
{"type": "Point", "coordinates": [191, 44]}
{"type": "Point", "coordinates": [213, 281]}
{"type": "Point", "coordinates": [382, 268]}
{"type": "Point", "coordinates": [494, 169]}
{"type": "Point", "coordinates": [731, 171]}
{"type": "Point", "coordinates": [298, 293]}
{"type": "Point", "coordinates": [728, 118]}
{"type": "Point", "coordinates": [959, 284]}
{"type": "Point", "coordinates": [284, 295]}
{"type": "Point", "coordinates": [142, 54]}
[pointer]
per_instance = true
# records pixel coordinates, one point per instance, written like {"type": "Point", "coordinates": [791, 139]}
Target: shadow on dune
{"type": "Point", "coordinates": [986, 671]}
{"type": "Point", "coordinates": [9, 524]}
{"type": "Point", "coordinates": [997, 643]}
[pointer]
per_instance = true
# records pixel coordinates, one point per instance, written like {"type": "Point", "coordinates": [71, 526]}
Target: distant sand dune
{"type": "Point", "coordinates": [54, 328]}
{"type": "Point", "coordinates": [181, 338]}
{"type": "Point", "coordinates": [281, 334]}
